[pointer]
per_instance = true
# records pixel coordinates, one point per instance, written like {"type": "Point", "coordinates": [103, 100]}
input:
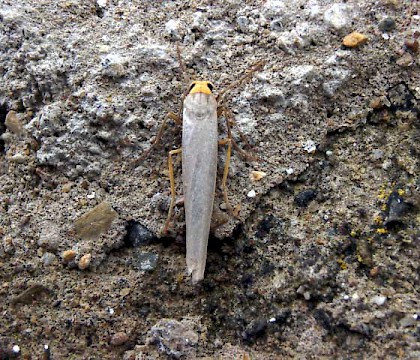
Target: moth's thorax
{"type": "Point", "coordinates": [199, 105]}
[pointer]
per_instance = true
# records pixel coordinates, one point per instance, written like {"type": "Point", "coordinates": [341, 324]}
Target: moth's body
{"type": "Point", "coordinates": [199, 167]}
{"type": "Point", "coordinates": [199, 170]}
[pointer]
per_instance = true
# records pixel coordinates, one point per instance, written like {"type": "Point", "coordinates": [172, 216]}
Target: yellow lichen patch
{"type": "Point", "coordinates": [342, 263]}
{"type": "Point", "coordinates": [383, 193]}
{"type": "Point", "coordinates": [401, 192]}
{"type": "Point", "coordinates": [378, 220]}
{"type": "Point", "coordinates": [354, 39]}
{"type": "Point", "coordinates": [382, 231]}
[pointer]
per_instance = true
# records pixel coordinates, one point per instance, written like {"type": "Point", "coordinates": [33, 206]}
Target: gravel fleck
{"type": "Point", "coordinates": [119, 339]}
{"type": "Point", "coordinates": [85, 261]}
{"type": "Point", "coordinates": [378, 300]}
{"type": "Point", "coordinates": [387, 24]}
{"type": "Point", "coordinates": [354, 40]}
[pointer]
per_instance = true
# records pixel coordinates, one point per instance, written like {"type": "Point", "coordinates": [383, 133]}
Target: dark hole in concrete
{"type": "Point", "coordinates": [3, 113]}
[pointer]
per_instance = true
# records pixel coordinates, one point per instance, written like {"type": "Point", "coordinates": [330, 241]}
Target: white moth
{"type": "Point", "coordinates": [199, 169]}
{"type": "Point", "coordinates": [199, 166]}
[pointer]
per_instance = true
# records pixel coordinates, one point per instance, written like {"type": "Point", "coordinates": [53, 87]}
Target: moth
{"type": "Point", "coordinates": [199, 165]}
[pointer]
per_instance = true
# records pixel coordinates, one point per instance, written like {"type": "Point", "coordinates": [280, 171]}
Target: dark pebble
{"type": "Point", "coordinates": [255, 330]}
{"type": "Point", "coordinates": [396, 209]}
{"type": "Point", "coordinates": [305, 197]}
{"type": "Point", "coordinates": [137, 235]}
{"type": "Point", "coordinates": [386, 25]}
{"type": "Point", "coordinates": [266, 225]}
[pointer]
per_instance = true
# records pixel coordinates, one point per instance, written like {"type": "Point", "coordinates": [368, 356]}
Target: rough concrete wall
{"type": "Point", "coordinates": [323, 258]}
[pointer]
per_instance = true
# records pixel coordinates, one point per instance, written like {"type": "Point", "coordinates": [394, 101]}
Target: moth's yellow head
{"type": "Point", "coordinates": [204, 87]}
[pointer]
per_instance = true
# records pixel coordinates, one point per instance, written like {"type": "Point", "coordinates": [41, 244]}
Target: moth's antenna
{"type": "Point", "coordinates": [184, 74]}
{"type": "Point", "coordinates": [258, 66]}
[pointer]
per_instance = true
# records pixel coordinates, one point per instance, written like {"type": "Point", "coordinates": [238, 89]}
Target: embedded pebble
{"type": "Point", "coordinates": [386, 24]}
{"type": "Point", "coordinates": [95, 222]}
{"type": "Point", "coordinates": [68, 255]}
{"type": "Point", "coordinates": [377, 154]}
{"type": "Point", "coordinates": [408, 320]}
{"type": "Point", "coordinates": [243, 23]}
{"type": "Point", "coordinates": [114, 66]}
{"type": "Point", "coordinates": [13, 122]}
{"type": "Point", "coordinates": [84, 261]}
{"type": "Point", "coordinates": [48, 258]}
{"type": "Point", "coordinates": [254, 330]}
{"type": "Point", "coordinates": [118, 339]}
{"type": "Point", "coordinates": [406, 60]}
{"type": "Point", "coordinates": [305, 197]}
{"type": "Point", "coordinates": [138, 235]}
{"type": "Point", "coordinates": [396, 208]}
{"type": "Point", "coordinates": [336, 80]}
{"type": "Point", "coordinates": [125, 292]}
{"type": "Point", "coordinates": [251, 194]}
{"type": "Point", "coordinates": [354, 39]}
{"type": "Point", "coordinates": [378, 300]}
{"type": "Point", "coordinates": [337, 16]}
{"type": "Point", "coordinates": [175, 338]}
{"type": "Point", "coordinates": [146, 261]}
{"type": "Point", "coordinates": [66, 187]}
{"type": "Point", "coordinates": [309, 146]}
{"type": "Point", "coordinates": [18, 158]}
{"type": "Point", "coordinates": [257, 175]}
{"type": "Point", "coordinates": [412, 44]}
{"type": "Point", "coordinates": [171, 28]}
{"type": "Point", "coordinates": [49, 237]}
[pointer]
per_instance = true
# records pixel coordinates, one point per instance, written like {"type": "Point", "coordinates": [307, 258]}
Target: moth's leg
{"type": "Point", "coordinates": [171, 116]}
{"type": "Point", "coordinates": [230, 120]}
{"type": "Point", "coordinates": [173, 192]}
{"type": "Point", "coordinates": [234, 211]}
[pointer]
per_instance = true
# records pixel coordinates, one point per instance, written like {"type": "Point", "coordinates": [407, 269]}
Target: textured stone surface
{"type": "Point", "coordinates": [85, 88]}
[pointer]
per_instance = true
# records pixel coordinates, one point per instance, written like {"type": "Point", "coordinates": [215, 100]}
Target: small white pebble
{"type": "Point", "coordinates": [386, 164]}
{"type": "Point", "coordinates": [415, 316]}
{"type": "Point", "coordinates": [91, 196]}
{"type": "Point", "coordinates": [355, 297]}
{"type": "Point", "coordinates": [101, 3]}
{"type": "Point", "coordinates": [171, 27]}
{"type": "Point", "coordinates": [290, 171]}
{"type": "Point", "coordinates": [272, 320]}
{"type": "Point", "coordinates": [46, 347]}
{"type": "Point", "coordinates": [328, 153]}
{"type": "Point", "coordinates": [16, 349]}
{"type": "Point", "coordinates": [379, 300]}
{"type": "Point", "coordinates": [309, 146]}
{"type": "Point", "coordinates": [111, 311]}
{"type": "Point", "coordinates": [385, 36]}
{"type": "Point", "coordinates": [307, 295]}
{"type": "Point", "coordinates": [251, 194]}
{"type": "Point", "coordinates": [346, 297]}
